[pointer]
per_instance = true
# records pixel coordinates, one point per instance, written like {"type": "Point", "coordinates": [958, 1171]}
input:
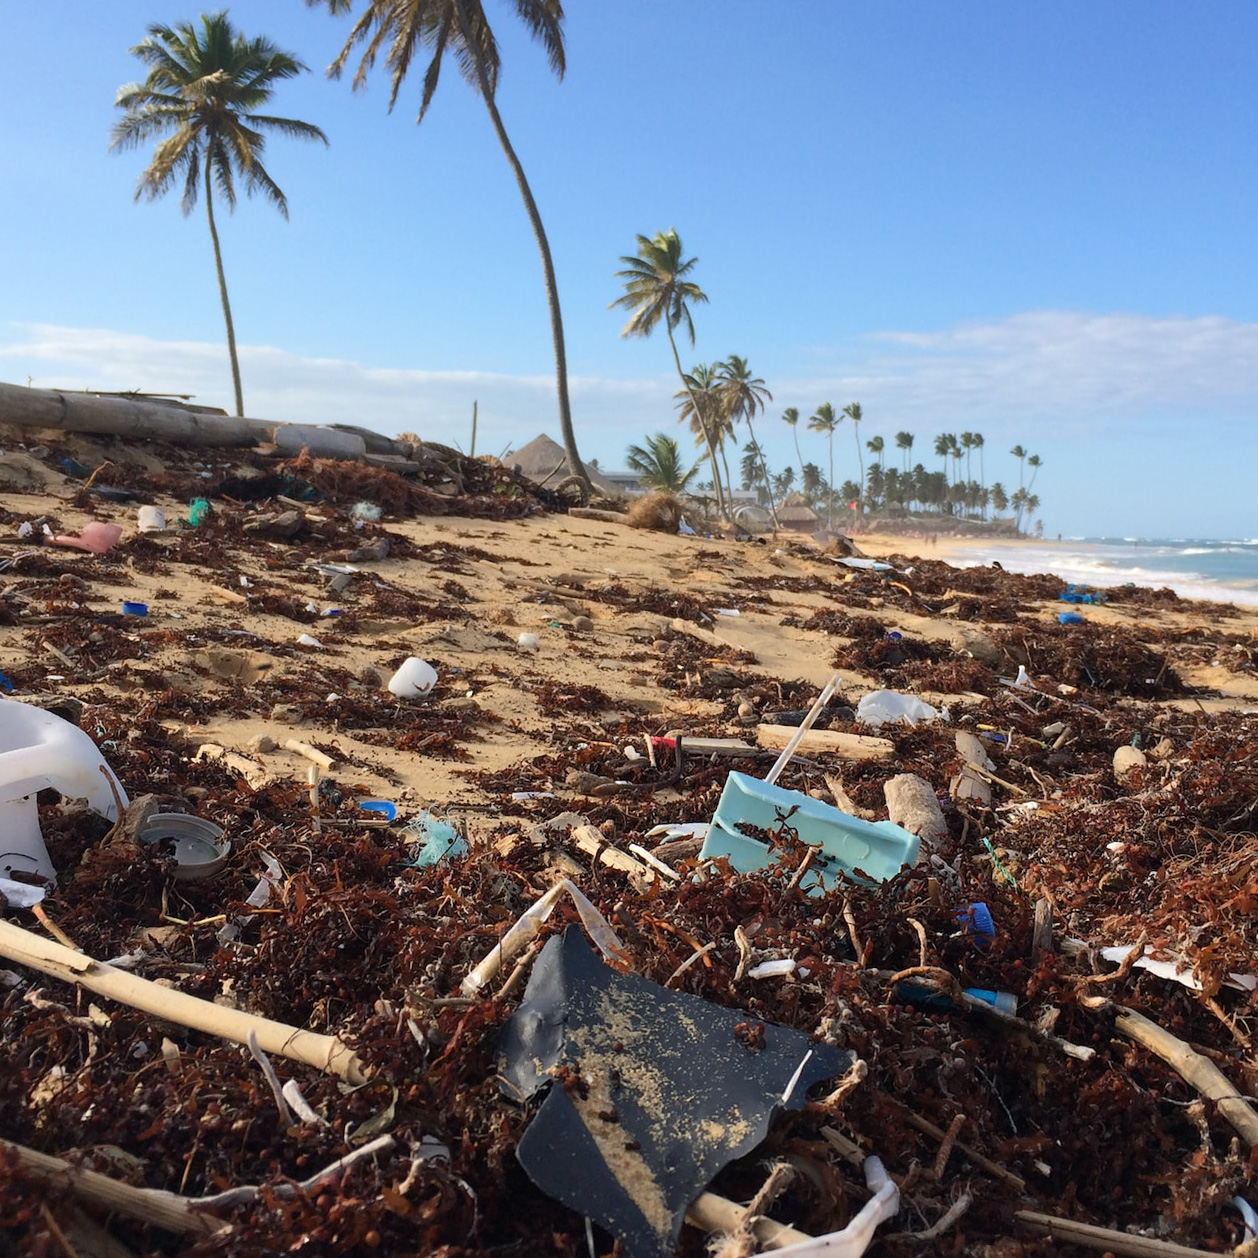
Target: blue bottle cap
{"type": "Point", "coordinates": [976, 919]}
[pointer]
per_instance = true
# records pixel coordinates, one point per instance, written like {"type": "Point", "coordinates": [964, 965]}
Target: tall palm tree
{"type": "Point", "coordinates": [824, 420]}
{"type": "Point", "coordinates": [743, 394]}
{"type": "Point", "coordinates": [976, 440]}
{"type": "Point", "coordinates": [875, 446]}
{"type": "Point", "coordinates": [700, 404]}
{"type": "Point", "coordinates": [791, 416]}
{"type": "Point", "coordinates": [659, 464]}
{"type": "Point", "coordinates": [204, 87]}
{"type": "Point", "coordinates": [967, 444]}
{"type": "Point", "coordinates": [1034, 462]}
{"type": "Point", "coordinates": [904, 441]}
{"type": "Point", "coordinates": [853, 411]}
{"type": "Point", "coordinates": [811, 481]}
{"type": "Point", "coordinates": [943, 448]}
{"type": "Point", "coordinates": [657, 290]}
{"type": "Point", "coordinates": [1020, 454]}
{"type": "Point", "coordinates": [461, 28]}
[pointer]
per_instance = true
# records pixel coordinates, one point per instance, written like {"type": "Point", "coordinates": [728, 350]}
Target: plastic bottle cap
{"type": "Point", "coordinates": [135, 609]}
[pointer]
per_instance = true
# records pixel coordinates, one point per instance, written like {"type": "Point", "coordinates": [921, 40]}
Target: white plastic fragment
{"type": "Point", "coordinates": [854, 1239]}
{"type": "Point", "coordinates": [306, 639]}
{"type": "Point", "coordinates": [21, 895]}
{"type": "Point", "coordinates": [527, 641]}
{"type": "Point", "coordinates": [291, 1092]}
{"type": "Point", "coordinates": [881, 706]}
{"type": "Point", "coordinates": [1179, 969]}
{"type": "Point", "coordinates": [773, 969]}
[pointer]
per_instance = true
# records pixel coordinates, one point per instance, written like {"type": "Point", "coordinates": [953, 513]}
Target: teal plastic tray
{"type": "Point", "coordinates": [865, 851]}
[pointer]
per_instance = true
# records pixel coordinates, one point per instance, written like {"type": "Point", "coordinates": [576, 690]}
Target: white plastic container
{"type": "Point", "coordinates": [39, 749]}
{"type": "Point", "coordinates": [527, 642]}
{"type": "Point", "coordinates": [150, 519]}
{"type": "Point", "coordinates": [416, 677]}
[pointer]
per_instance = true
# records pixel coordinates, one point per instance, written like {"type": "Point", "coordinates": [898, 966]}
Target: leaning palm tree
{"type": "Point", "coordinates": [1020, 454]}
{"type": "Point", "coordinates": [1034, 462]}
{"type": "Point", "coordinates": [824, 420]}
{"type": "Point", "coordinates": [853, 411]}
{"type": "Point", "coordinates": [204, 87]}
{"type": "Point", "coordinates": [460, 27]}
{"type": "Point", "coordinates": [659, 464]}
{"type": "Point", "coordinates": [743, 394]}
{"type": "Point", "coordinates": [656, 289]}
{"type": "Point", "coordinates": [701, 403]}
{"type": "Point", "coordinates": [790, 416]}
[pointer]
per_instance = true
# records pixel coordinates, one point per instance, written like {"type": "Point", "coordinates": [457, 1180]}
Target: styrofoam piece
{"type": "Point", "coordinates": [881, 706]}
{"type": "Point", "coordinates": [865, 851]}
{"type": "Point", "coordinates": [37, 750]}
{"type": "Point", "coordinates": [415, 677]}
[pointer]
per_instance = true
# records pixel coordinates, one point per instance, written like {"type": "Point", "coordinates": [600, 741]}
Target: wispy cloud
{"type": "Point", "coordinates": [1078, 370]}
{"type": "Point", "coordinates": [1075, 367]}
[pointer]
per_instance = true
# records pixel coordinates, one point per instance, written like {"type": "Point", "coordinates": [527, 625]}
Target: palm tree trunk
{"type": "Point", "coordinates": [830, 498]}
{"type": "Point", "coordinates": [543, 247]}
{"type": "Point", "coordinates": [764, 469]}
{"type": "Point", "coordinates": [860, 458]}
{"type": "Point", "coordinates": [799, 456]}
{"type": "Point", "coordinates": [729, 480]}
{"type": "Point", "coordinates": [703, 425]}
{"type": "Point", "coordinates": [222, 291]}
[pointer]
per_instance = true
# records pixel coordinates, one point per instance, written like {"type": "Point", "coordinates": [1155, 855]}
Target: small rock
{"type": "Point", "coordinates": [286, 714]}
{"type": "Point", "coordinates": [372, 677]}
{"type": "Point", "coordinates": [583, 624]}
{"type": "Point", "coordinates": [370, 552]}
{"type": "Point", "coordinates": [262, 743]}
{"type": "Point", "coordinates": [285, 524]}
{"type": "Point", "coordinates": [1126, 759]}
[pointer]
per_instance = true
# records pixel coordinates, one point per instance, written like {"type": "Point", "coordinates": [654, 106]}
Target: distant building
{"type": "Point", "coordinates": [795, 513]}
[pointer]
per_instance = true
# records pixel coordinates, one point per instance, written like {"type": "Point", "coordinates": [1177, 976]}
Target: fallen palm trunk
{"type": "Point", "coordinates": [325, 1052]}
{"type": "Point", "coordinates": [166, 1210]}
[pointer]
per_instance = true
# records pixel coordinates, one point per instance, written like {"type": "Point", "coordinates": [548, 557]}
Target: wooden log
{"type": "Point", "coordinates": [166, 1210]}
{"type": "Point", "coordinates": [850, 746]}
{"type": "Point", "coordinates": [325, 1052]}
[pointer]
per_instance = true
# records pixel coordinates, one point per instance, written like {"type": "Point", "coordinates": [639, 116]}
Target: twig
{"type": "Point", "coordinates": [1124, 968]}
{"type": "Point", "coordinates": [1073, 1233]}
{"type": "Point", "coordinates": [517, 974]}
{"type": "Point", "coordinates": [856, 1074]}
{"type": "Point", "coordinates": [52, 928]}
{"type": "Point", "coordinates": [941, 1225]}
{"type": "Point", "coordinates": [744, 952]}
{"type": "Point", "coordinates": [804, 866]}
{"type": "Point", "coordinates": [947, 1143]}
{"type": "Point", "coordinates": [690, 960]}
{"type": "Point", "coordinates": [926, 1127]}
{"type": "Point", "coordinates": [921, 941]}
{"type": "Point", "coordinates": [277, 1090]}
{"type": "Point", "coordinates": [852, 933]}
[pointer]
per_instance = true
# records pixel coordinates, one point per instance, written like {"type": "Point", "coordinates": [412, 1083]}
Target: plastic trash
{"type": "Point", "coordinates": [441, 841]}
{"type": "Point", "coordinates": [882, 706]}
{"type": "Point", "coordinates": [37, 750]}
{"type": "Point", "coordinates": [928, 996]}
{"type": "Point", "coordinates": [683, 527]}
{"type": "Point", "coordinates": [365, 513]}
{"type": "Point", "coordinates": [976, 921]}
{"type": "Point", "coordinates": [869, 852]}
{"type": "Point", "coordinates": [135, 609]}
{"type": "Point", "coordinates": [198, 512]}
{"type": "Point", "coordinates": [1069, 618]}
{"type": "Point", "coordinates": [96, 536]}
{"type": "Point", "coordinates": [307, 639]}
{"type": "Point", "coordinates": [150, 519]}
{"type": "Point", "coordinates": [415, 677]}
{"type": "Point", "coordinates": [20, 895]}
{"type": "Point", "coordinates": [528, 641]}
{"type": "Point", "coordinates": [379, 807]}
{"type": "Point", "coordinates": [197, 846]}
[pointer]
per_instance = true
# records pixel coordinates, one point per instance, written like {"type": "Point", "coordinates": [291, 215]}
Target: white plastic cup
{"type": "Point", "coordinates": [527, 641]}
{"type": "Point", "coordinates": [415, 677]}
{"type": "Point", "coordinates": [150, 519]}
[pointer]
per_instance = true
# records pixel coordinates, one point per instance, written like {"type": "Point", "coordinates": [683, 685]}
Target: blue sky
{"type": "Point", "coordinates": [1031, 221]}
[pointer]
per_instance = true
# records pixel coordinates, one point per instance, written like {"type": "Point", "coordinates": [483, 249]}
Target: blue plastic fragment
{"type": "Point", "coordinates": [976, 920]}
{"type": "Point", "coordinates": [863, 851]}
{"type": "Point", "coordinates": [5, 684]}
{"type": "Point", "coordinates": [1069, 618]}
{"type": "Point", "coordinates": [382, 806]}
{"type": "Point", "coordinates": [442, 842]}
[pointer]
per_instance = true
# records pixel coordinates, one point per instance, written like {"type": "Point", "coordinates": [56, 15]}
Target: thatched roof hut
{"type": "Point", "coordinates": [795, 513]}
{"type": "Point", "coordinates": [544, 462]}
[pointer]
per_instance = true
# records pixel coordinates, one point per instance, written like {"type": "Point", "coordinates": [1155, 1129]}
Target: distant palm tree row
{"type": "Point", "coordinates": [716, 397]}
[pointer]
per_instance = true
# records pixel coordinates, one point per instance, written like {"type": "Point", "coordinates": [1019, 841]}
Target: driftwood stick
{"type": "Point", "coordinates": [325, 1052]}
{"type": "Point", "coordinates": [926, 1127]}
{"type": "Point", "coordinates": [714, 1214]}
{"type": "Point", "coordinates": [313, 754]}
{"type": "Point", "coordinates": [1104, 1238]}
{"type": "Point", "coordinates": [166, 1210]}
{"type": "Point", "coordinates": [1190, 1065]}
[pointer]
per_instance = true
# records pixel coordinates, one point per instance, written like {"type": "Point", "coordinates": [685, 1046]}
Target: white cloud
{"type": "Point", "coordinates": [1075, 367]}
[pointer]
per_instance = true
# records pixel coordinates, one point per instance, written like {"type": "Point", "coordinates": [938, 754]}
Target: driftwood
{"type": "Point", "coordinates": [1200, 1071]}
{"type": "Point", "coordinates": [1115, 1242]}
{"type": "Point", "coordinates": [325, 1052]}
{"type": "Point", "coordinates": [850, 746]}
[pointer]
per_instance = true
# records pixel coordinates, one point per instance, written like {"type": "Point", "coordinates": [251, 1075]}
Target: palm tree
{"type": "Point", "coordinates": [811, 481]}
{"type": "Point", "coordinates": [658, 464]}
{"type": "Point", "coordinates": [876, 445]}
{"type": "Point", "coordinates": [791, 416]}
{"type": "Point", "coordinates": [204, 87]}
{"type": "Point", "coordinates": [967, 444]}
{"type": "Point", "coordinates": [700, 403]}
{"type": "Point", "coordinates": [904, 441]}
{"type": "Point", "coordinates": [1034, 462]}
{"type": "Point", "coordinates": [976, 440]}
{"type": "Point", "coordinates": [461, 28]}
{"type": "Point", "coordinates": [656, 289]}
{"type": "Point", "coordinates": [943, 448]}
{"type": "Point", "coordinates": [1000, 499]}
{"type": "Point", "coordinates": [853, 411]}
{"type": "Point", "coordinates": [1020, 454]}
{"type": "Point", "coordinates": [743, 394]}
{"type": "Point", "coordinates": [826, 421]}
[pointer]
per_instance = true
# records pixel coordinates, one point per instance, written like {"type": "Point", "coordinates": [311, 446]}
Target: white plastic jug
{"type": "Point", "coordinates": [38, 749]}
{"type": "Point", "coordinates": [416, 677]}
{"type": "Point", "coordinates": [150, 519]}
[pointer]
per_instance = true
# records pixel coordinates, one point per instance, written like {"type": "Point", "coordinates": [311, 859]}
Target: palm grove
{"type": "Point", "coordinates": [715, 398]}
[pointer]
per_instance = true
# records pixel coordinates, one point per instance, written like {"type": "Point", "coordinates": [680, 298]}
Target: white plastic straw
{"type": "Point", "coordinates": [804, 726]}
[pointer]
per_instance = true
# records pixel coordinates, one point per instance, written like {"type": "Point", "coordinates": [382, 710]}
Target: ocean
{"type": "Point", "coordinates": [1223, 571]}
